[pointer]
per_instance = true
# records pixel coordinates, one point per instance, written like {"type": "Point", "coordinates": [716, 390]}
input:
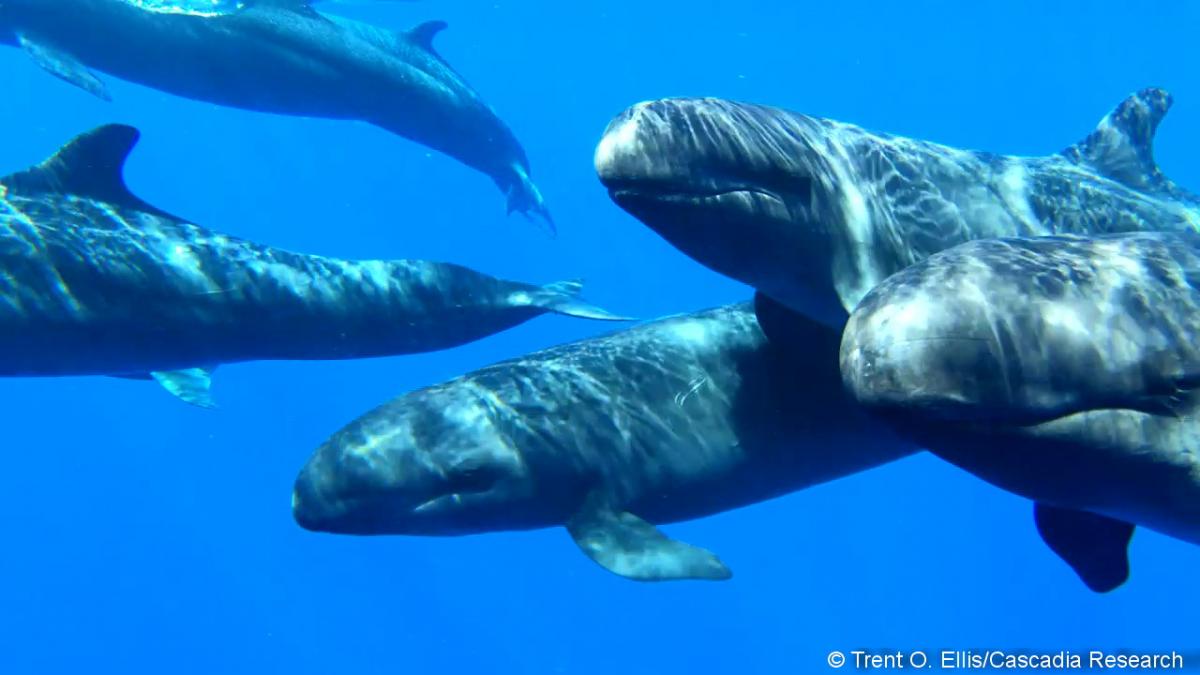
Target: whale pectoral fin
{"type": "Point", "coordinates": [191, 384]}
{"type": "Point", "coordinates": [64, 66]}
{"type": "Point", "coordinates": [792, 330]}
{"type": "Point", "coordinates": [776, 320]}
{"type": "Point", "coordinates": [1095, 546]}
{"type": "Point", "coordinates": [628, 546]}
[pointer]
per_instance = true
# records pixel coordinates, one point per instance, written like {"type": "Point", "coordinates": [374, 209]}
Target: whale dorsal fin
{"type": "Point", "coordinates": [1122, 146]}
{"type": "Point", "coordinates": [299, 6]}
{"type": "Point", "coordinates": [90, 165]}
{"type": "Point", "coordinates": [296, 5]}
{"type": "Point", "coordinates": [423, 35]}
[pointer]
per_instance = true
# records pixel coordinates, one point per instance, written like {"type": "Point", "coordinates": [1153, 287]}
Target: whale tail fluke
{"type": "Point", "coordinates": [525, 198]}
{"type": "Point", "coordinates": [563, 298]}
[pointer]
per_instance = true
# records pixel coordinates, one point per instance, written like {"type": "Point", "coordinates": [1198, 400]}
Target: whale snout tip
{"type": "Point", "coordinates": [860, 377]}
{"type": "Point", "coordinates": [881, 358]}
{"type": "Point", "coordinates": [309, 510]}
{"type": "Point", "coordinates": [303, 515]}
{"type": "Point", "coordinates": [941, 369]}
{"type": "Point", "coordinates": [322, 499]}
{"type": "Point", "coordinates": [621, 141]}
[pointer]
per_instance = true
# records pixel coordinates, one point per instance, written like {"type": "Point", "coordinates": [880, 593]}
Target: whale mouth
{"type": "Point", "coordinates": [750, 196]}
{"type": "Point", "coordinates": [948, 381]}
{"type": "Point", "coordinates": [373, 514]}
{"type": "Point", "coordinates": [936, 392]}
{"type": "Point", "coordinates": [461, 488]}
{"type": "Point", "coordinates": [449, 502]}
{"type": "Point", "coordinates": [340, 500]}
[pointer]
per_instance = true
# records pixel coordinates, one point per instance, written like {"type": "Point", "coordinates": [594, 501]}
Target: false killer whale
{"type": "Point", "coordinates": [98, 282]}
{"type": "Point", "coordinates": [814, 213]}
{"type": "Point", "coordinates": [278, 56]}
{"type": "Point", "coordinates": [675, 419]}
{"type": "Point", "coordinates": [1065, 369]}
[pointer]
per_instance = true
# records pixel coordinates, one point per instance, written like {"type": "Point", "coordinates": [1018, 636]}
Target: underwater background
{"type": "Point", "coordinates": [143, 535]}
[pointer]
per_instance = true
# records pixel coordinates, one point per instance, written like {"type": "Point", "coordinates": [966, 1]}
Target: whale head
{"type": "Point", "coordinates": [1061, 369]}
{"type": "Point", "coordinates": [751, 192]}
{"type": "Point", "coordinates": [1028, 360]}
{"type": "Point", "coordinates": [432, 462]}
{"type": "Point", "coordinates": [1016, 333]}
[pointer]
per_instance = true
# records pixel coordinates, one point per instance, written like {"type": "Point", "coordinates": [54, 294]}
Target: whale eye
{"type": "Point", "coordinates": [784, 185]}
{"type": "Point", "coordinates": [801, 191]}
{"type": "Point", "coordinates": [473, 477]}
{"type": "Point", "coordinates": [792, 189]}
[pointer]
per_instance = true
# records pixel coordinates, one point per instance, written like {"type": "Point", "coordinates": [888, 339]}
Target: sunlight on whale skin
{"type": "Point", "coordinates": [1064, 369]}
{"type": "Point", "coordinates": [814, 212]}
{"type": "Point", "coordinates": [672, 420]}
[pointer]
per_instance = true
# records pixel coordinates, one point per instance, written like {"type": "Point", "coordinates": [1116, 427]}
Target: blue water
{"type": "Point", "coordinates": [145, 535]}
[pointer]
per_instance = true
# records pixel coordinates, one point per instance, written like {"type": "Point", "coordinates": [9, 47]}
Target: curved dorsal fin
{"type": "Point", "coordinates": [303, 7]}
{"type": "Point", "coordinates": [90, 165]}
{"type": "Point", "coordinates": [1122, 146]}
{"type": "Point", "coordinates": [423, 35]}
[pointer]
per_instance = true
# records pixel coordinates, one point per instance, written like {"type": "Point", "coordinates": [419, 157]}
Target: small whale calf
{"type": "Point", "coordinates": [814, 213]}
{"type": "Point", "coordinates": [98, 282]}
{"type": "Point", "coordinates": [671, 420]}
{"type": "Point", "coordinates": [278, 56]}
{"type": "Point", "coordinates": [1065, 369]}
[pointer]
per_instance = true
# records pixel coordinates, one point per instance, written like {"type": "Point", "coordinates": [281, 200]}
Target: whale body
{"type": "Point", "coordinates": [814, 213]}
{"type": "Point", "coordinates": [278, 56]}
{"type": "Point", "coordinates": [1065, 369]}
{"type": "Point", "coordinates": [672, 420]}
{"type": "Point", "coordinates": [98, 282]}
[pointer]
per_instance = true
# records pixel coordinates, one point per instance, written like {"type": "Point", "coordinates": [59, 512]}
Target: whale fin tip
{"type": "Point", "coordinates": [524, 197]}
{"type": "Point", "coordinates": [191, 385]}
{"type": "Point", "coordinates": [628, 546]}
{"type": "Point", "coordinates": [1095, 546]}
{"type": "Point", "coordinates": [562, 297]}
